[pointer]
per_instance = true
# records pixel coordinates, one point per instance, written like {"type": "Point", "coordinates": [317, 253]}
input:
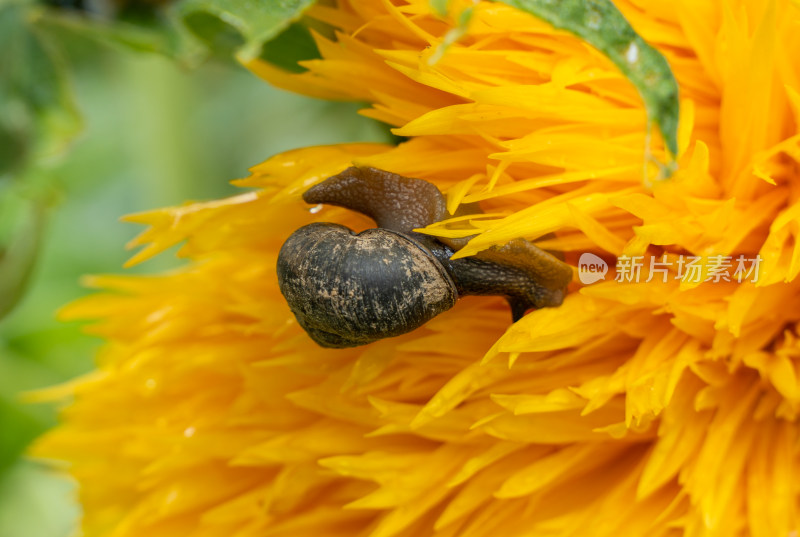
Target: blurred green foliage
{"type": "Point", "coordinates": [39, 114]}
{"type": "Point", "coordinates": [155, 134]}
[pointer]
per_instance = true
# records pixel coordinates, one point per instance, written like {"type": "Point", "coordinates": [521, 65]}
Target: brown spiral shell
{"type": "Point", "coordinates": [349, 289]}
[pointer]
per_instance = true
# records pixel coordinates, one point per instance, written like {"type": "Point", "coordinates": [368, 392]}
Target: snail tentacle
{"type": "Point", "coordinates": [395, 202]}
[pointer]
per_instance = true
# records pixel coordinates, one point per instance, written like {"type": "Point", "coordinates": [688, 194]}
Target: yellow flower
{"type": "Point", "coordinates": [659, 408]}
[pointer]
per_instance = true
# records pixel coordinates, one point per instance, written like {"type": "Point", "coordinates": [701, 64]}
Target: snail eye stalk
{"type": "Point", "coordinates": [395, 202]}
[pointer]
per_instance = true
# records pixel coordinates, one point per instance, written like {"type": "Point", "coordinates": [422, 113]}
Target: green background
{"type": "Point", "coordinates": [155, 134]}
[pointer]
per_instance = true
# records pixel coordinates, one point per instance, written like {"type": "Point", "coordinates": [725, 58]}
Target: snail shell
{"type": "Point", "coordinates": [349, 289]}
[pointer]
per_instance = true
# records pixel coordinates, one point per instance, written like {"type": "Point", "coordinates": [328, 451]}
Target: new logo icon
{"type": "Point", "coordinates": [591, 268]}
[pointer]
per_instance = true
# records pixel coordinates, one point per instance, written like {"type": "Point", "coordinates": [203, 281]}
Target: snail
{"type": "Point", "coordinates": [348, 289]}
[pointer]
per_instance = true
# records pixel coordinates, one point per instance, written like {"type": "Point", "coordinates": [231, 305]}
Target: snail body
{"type": "Point", "coordinates": [348, 289]}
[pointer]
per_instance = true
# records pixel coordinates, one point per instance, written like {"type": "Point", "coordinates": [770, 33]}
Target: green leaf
{"type": "Point", "coordinates": [191, 30]}
{"type": "Point", "coordinates": [156, 34]}
{"type": "Point", "coordinates": [242, 26]}
{"type": "Point", "coordinates": [39, 116]}
{"type": "Point", "coordinates": [292, 46]}
{"type": "Point", "coordinates": [601, 24]}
